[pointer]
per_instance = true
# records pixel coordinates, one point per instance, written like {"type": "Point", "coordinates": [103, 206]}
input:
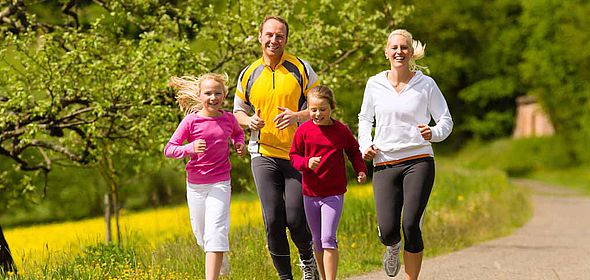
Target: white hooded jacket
{"type": "Point", "coordinates": [398, 114]}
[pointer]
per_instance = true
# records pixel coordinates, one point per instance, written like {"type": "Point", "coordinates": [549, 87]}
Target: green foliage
{"type": "Point", "coordinates": [88, 88]}
{"type": "Point", "coordinates": [91, 88]}
{"type": "Point", "coordinates": [556, 66]}
{"type": "Point", "coordinates": [483, 54]}
{"type": "Point", "coordinates": [77, 193]}
{"type": "Point", "coordinates": [472, 48]}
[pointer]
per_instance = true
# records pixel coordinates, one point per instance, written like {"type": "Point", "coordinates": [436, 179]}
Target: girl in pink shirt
{"type": "Point", "coordinates": [208, 131]}
{"type": "Point", "coordinates": [318, 152]}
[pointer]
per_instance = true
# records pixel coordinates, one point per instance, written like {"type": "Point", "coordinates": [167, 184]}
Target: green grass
{"type": "Point", "coordinates": [573, 177]}
{"type": "Point", "coordinates": [466, 207]}
{"type": "Point", "coordinates": [546, 159]}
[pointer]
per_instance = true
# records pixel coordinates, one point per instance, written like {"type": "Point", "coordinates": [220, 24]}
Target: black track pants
{"type": "Point", "coordinates": [279, 188]}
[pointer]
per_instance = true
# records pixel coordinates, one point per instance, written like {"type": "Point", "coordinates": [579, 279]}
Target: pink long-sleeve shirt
{"type": "Point", "coordinates": [213, 165]}
{"type": "Point", "coordinates": [330, 142]}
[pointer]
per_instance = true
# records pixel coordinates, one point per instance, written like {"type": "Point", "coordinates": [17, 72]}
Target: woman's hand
{"type": "Point", "coordinates": [425, 131]}
{"type": "Point", "coordinates": [370, 153]}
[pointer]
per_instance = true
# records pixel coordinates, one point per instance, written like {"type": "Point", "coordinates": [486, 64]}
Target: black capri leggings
{"type": "Point", "coordinates": [404, 185]}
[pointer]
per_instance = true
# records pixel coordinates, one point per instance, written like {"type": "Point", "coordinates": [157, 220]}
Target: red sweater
{"type": "Point", "coordinates": [330, 142]}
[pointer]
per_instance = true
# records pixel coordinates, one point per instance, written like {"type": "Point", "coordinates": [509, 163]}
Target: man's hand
{"type": "Point", "coordinates": [256, 122]}
{"type": "Point", "coordinates": [285, 118]}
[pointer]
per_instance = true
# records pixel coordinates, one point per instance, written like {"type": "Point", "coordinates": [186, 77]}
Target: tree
{"type": "Point", "coordinates": [473, 48]}
{"type": "Point", "coordinates": [6, 260]}
{"type": "Point", "coordinates": [556, 65]}
{"type": "Point", "coordinates": [91, 91]}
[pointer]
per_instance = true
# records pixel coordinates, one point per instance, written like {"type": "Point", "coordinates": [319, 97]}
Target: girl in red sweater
{"type": "Point", "coordinates": [318, 152]}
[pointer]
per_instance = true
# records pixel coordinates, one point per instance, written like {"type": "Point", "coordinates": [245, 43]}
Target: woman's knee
{"type": "Point", "coordinates": [389, 236]}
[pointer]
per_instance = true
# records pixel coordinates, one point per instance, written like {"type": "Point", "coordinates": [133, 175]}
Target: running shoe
{"type": "Point", "coordinates": [309, 269]}
{"type": "Point", "coordinates": [391, 262]}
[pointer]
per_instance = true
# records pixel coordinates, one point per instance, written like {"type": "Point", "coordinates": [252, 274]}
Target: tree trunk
{"type": "Point", "coordinates": [107, 217]}
{"type": "Point", "coordinates": [6, 261]}
{"type": "Point", "coordinates": [116, 210]}
{"type": "Point", "coordinates": [109, 174]}
{"type": "Point", "coordinates": [114, 195]}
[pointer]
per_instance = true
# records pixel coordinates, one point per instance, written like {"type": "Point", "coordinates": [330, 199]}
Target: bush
{"type": "Point", "coordinates": [518, 157]}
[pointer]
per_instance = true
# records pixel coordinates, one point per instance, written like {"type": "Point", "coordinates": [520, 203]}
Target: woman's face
{"type": "Point", "coordinates": [211, 95]}
{"type": "Point", "coordinates": [399, 52]}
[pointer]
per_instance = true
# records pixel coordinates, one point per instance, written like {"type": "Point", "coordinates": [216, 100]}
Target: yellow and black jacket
{"type": "Point", "coordinates": [260, 87]}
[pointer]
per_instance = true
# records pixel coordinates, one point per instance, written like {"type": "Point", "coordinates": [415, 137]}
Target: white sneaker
{"type": "Point", "coordinates": [225, 269]}
{"type": "Point", "coordinates": [391, 262]}
{"type": "Point", "coordinates": [309, 269]}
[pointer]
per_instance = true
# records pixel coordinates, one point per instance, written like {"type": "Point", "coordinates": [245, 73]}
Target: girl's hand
{"type": "Point", "coordinates": [240, 149]}
{"type": "Point", "coordinates": [361, 177]}
{"type": "Point", "coordinates": [256, 122]}
{"type": "Point", "coordinates": [313, 162]}
{"type": "Point", "coordinates": [425, 131]}
{"type": "Point", "coordinates": [199, 146]}
{"type": "Point", "coordinates": [370, 153]}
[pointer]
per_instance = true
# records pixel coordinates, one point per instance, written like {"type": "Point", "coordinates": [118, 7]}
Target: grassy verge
{"type": "Point", "coordinates": [573, 177]}
{"type": "Point", "coordinates": [466, 207]}
{"type": "Point", "coordinates": [546, 159]}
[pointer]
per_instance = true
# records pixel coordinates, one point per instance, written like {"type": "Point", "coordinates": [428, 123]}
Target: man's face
{"type": "Point", "coordinates": [273, 38]}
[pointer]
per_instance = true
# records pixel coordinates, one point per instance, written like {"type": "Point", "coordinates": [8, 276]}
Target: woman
{"type": "Point", "coordinates": [402, 101]}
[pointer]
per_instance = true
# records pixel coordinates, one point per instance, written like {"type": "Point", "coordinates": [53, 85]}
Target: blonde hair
{"type": "Point", "coordinates": [188, 89]}
{"type": "Point", "coordinates": [323, 92]}
{"type": "Point", "coordinates": [416, 46]}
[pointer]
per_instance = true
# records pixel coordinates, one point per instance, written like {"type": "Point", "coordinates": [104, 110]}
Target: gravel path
{"type": "Point", "coordinates": [554, 244]}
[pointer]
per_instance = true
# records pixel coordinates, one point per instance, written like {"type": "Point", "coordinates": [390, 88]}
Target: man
{"type": "Point", "coordinates": [270, 100]}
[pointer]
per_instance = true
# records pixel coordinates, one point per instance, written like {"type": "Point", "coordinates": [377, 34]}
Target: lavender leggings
{"type": "Point", "coordinates": [323, 216]}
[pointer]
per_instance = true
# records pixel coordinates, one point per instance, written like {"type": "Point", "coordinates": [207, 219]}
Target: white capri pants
{"type": "Point", "coordinates": [208, 206]}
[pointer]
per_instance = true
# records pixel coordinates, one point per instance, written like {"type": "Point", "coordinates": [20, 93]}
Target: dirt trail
{"type": "Point", "coordinates": [554, 244]}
